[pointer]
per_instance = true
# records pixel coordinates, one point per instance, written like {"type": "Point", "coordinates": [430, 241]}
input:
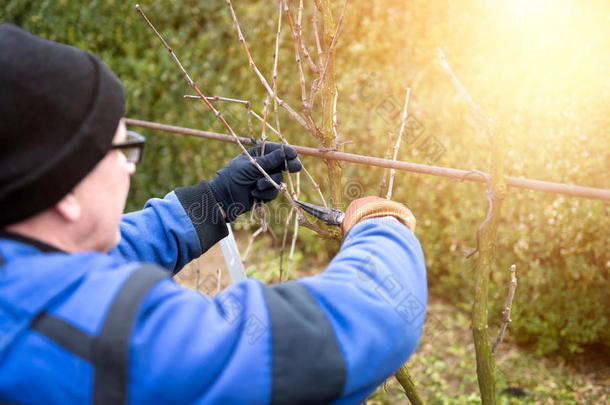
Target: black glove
{"type": "Point", "coordinates": [236, 185]}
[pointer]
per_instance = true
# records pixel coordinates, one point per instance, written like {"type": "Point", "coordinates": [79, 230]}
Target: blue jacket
{"type": "Point", "coordinates": [106, 328]}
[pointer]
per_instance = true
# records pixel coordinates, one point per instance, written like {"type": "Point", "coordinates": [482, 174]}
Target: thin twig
{"type": "Point", "coordinates": [265, 114]}
{"type": "Point", "coordinates": [388, 152]}
{"type": "Point", "coordinates": [506, 312]}
{"type": "Point", "coordinates": [216, 98]}
{"type": "Point", "coordinates": [250, 242]}
{"type": "Point", "coordinates": [292, 246]}
{"type": "Point", "coordinates": [483, 120]}
{"type": "Point", "coordinates": [248, 110]}
{"type": "Point", "coordinates": [284, 237]}
{"type": "Point", "coordinates": [280, 187]}
{"type": "Point", "coordinates": [297, 55]}
{"type": "Point", "coordinates": [276, 55]}
{"type": "Point", "coordinates": [295, 232]}
{"type": "Point", "coordinates": [273, 78]}
{"type": "Point", "coordinates": [246, 104]}
{"type": "Point", "coordinates": [262, 79]}
{"type": "Point", "coordinates": [397, 145]}
{"type": "Point", "coordinates": [317, 36]}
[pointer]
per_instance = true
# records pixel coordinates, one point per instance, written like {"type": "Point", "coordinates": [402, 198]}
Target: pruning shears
{"type": "Point", "coordinates": [330, 216]}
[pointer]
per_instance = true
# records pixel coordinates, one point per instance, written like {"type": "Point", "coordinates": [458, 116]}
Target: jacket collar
{"type": "Point", "coordinates": [42, 246]}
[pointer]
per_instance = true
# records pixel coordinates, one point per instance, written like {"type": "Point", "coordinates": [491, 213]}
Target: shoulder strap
{"type": "Point", "coordinates": [108, 352]}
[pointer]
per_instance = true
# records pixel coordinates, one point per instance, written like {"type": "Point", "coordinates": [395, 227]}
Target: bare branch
{"type": "Point", "coordinates": [170, 50]}
{"type": "Point", "coordinates": [292, 246]}
{"type": "Point", "coordinates": [297, 55]}
{"type": "Point", "coordinates": [280, 187]}
{"type": "Point", "coordinates": [317, 83]}
{"type": "Point", "coordinates": [506, 312]}
{"type": "Point", "coordinates": [248, 111]}
{"type": "Point", "coordinates": [397, 145]}
{"type": "Point", "coordinates": [284, 237]}
{"type": "Point", "coordinates": [316, 35]}
{"type": "Point", "coordinates": [314, 68]}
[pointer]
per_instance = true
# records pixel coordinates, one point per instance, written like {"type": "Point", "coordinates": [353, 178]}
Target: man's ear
{"type": "Point", "coordinates": [69, 208]}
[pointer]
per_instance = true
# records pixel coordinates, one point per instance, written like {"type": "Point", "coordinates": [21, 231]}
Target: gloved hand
{"type": "Point", "coordinates": [236, 185]}
{"type": "Point", "coordinates": [375, 207]}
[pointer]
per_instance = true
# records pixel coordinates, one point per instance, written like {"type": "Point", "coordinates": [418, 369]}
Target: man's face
{"type": "Point", "coordinates": [102, 195]}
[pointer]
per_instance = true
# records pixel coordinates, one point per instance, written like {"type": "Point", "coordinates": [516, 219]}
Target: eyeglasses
{"type": "Point", "coordinates": [132, 147]}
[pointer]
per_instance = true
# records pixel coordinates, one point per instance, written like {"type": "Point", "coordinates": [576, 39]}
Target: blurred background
{"type": "Point", "coordinates": [539, 68]}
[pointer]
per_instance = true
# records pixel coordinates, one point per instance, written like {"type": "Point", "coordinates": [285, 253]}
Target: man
{"type": "Point", "coordinates": [83, 319]}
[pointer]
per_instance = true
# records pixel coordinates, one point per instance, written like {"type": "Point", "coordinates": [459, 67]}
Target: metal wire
{"type": "Point", "coordinates": [491, 197]}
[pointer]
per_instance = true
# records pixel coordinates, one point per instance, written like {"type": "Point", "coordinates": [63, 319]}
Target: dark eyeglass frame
{"type": "Point", "coordinates": [132, 148]}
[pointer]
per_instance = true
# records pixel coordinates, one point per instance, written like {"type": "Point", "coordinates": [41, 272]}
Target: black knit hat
{"type": "Point", "coordinates": [59, 110]}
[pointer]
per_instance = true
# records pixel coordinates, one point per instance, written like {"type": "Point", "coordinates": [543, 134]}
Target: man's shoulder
{"type": "Point", "coordinates": [79, 287]}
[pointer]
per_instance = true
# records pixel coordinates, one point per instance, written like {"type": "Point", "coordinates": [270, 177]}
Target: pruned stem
{"type": "Point", "coordinates": [506, 312]}
{"type": "Point", "coordinates": [397, 145]}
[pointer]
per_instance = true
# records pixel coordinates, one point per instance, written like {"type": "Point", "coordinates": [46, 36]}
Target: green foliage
{"type": "Point", "coordinates": [444, 363]}
{"type": "Point", "coordinates": [547, 100]}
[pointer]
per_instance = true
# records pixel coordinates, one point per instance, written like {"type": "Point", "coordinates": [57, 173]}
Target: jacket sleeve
{"type": "Point", "coordinates": [172, 231]}
{"type": "Point", "coordinates": [333, 337]}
